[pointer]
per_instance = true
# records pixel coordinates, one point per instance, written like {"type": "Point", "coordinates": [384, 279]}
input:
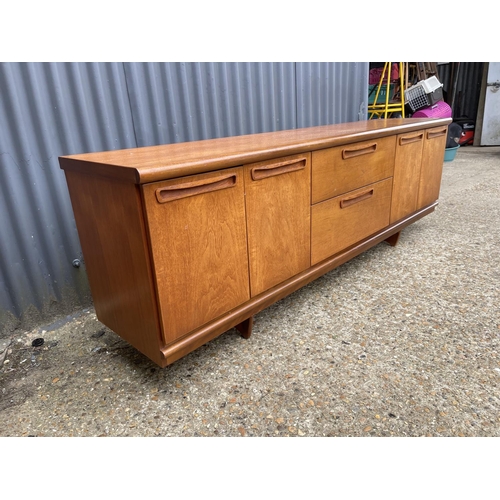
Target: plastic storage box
{"type": "Point", "coordinates": [416, 97]}
{"type": "Point", "coordinates": [438, 110]}
{"type": "Point", "coordinates": [424, 93]}
{"type": "Point", "coordinates": [430, 84]}
{"type": "Point", "coordinates": [435, 96]}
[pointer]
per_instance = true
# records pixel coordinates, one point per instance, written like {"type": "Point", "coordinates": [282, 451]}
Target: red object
{"type": "Point", "coordinates": [376, 73]}
{"type": "Point", "coordinates": [467, 138]}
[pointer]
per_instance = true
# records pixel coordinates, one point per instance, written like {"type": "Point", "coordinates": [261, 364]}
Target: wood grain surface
{"type": "Point", "coordinates": [112, 233]}
{"type": "Point", "coordinates": [432, 166]}
{"type": "Point", "coordinates": [406, 174]}
{"type": "Point", "coordinates": [335, 228]}
{"type": "Point", "coordinates": [347, 167]}
{"type": "Point", "coordinates": [199, 249]}
{"type": "Point", "coordinates": [182, 242]}
{"type": "Point", "coordinates": [156, 163]}
{"type": "Point", "coordinates": [278, 219]}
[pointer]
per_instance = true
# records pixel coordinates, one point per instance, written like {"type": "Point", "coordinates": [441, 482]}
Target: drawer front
{"type": "Point", "coordinates": [340, 222]}
{"type": "Point", "coordinates": [198, 240]}
{"type": "Point", "coordinates": [344, 168]}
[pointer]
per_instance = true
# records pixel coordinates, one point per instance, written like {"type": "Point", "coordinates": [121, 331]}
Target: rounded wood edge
{"type": "Point", "coordinates": [154, 174]}
{"type": "Point", "coordinates": [250, 148]}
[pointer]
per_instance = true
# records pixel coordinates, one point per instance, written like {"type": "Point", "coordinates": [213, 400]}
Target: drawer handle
{"type": "Point", "coordinates": [409, 139]}
{"type": "Point", "coordinates": [284, 167]}
{"type": "Point", "coordinates": [178, 191]}
{"type": "Point", "coordinates": [363, 150]}
{"type": "Point", "coordinates": [436, 133]}
{"type": "Point", "coordinates": [352, 200]}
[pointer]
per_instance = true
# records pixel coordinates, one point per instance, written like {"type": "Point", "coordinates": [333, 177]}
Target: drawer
{"type": "Point", "coordinates": [344, 168]}
{"type": "Point", "coordinates": [347, 219]}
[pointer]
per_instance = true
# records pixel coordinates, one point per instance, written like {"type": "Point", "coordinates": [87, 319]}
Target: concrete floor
{"type": "Point", "coordinates": [399, 341]}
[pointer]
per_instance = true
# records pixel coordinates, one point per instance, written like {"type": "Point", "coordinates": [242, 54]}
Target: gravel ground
{"type": "Point", "coordinates": [399, 341]}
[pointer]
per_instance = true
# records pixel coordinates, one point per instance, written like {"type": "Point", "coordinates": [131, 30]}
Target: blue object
{"type": "Point", "coordinates": [449, 153]}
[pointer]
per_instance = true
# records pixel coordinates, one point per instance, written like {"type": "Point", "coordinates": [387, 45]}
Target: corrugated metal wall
{"type": "Point", "coordinates": [187, 102]}
{"type": "Point", "coordinates": [53, 109]}
{"type": "Point", "coordinates": [468, 87]}
{"type": "Point", "coordinates": [331, 93]}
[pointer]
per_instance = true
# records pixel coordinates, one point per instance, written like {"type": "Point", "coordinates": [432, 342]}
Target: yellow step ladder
{"type": "Point", "coordinates": [390, 106]}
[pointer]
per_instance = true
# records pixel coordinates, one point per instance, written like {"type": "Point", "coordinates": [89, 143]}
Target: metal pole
{"type": "Point", "coordinates": [454, 88]}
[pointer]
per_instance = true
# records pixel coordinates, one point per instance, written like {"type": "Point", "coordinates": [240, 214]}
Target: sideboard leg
{"type": "Point", "coordinates": [245, 327]}
{"type": "Point", "coordinates": [393, 240]}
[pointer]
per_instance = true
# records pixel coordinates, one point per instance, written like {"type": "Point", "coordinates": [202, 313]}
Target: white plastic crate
{"type": "Point", "coordinates": [424, 93]}
{"type": "Point", "coordinates": [416, 97]}
{"type": "Point", "coordinates": [430, 84]}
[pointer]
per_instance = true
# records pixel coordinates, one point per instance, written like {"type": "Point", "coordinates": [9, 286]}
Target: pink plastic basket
{"type": "Point", "coordinates": [438, 110]}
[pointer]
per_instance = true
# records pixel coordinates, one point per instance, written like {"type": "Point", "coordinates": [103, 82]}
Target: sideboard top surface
{"type": "Point", "coordinates": [154, 163]}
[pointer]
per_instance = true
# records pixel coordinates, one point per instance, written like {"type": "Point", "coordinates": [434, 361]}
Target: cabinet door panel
{"type": "Point", "coordinates": [432, 165]}
{"type": "Point", "coordinates": [278, 219]}
{"type": "Point", "coordinates": [406, 174]}
{"type": "Point", "coordinates": [198, 241]}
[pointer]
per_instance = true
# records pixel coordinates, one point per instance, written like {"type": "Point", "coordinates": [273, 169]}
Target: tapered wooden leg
{"type": "Point", "coordinates": [393, 240]}
{"type": "Point", "coordinates": [245, 327]}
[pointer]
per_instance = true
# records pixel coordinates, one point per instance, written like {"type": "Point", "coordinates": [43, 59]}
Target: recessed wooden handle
{"type": "Point", "coordinates": [358, 151]}
{"type": "Point", "coordinates": [436, 133]}
{"type": "Point", "coordinates": [411, 138]}
{"type": "Point", "coordinates": [352, 200]}
{"type": "Point", "coordinates": [283, 167]}
{"type": "Point", "coordinates": [178, 191]}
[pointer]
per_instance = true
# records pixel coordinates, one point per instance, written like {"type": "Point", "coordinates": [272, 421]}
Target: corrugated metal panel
{"type": "Point", "coordinates": [468, 87]}
{"type": "Point", "coordinates": [181, 102]}
{"type": "Point", "coordinates": [52, 109]}
{"type": "Point", "coordinates": [330, 93]}
{"type": "Point", "coordinates": [48, 110]}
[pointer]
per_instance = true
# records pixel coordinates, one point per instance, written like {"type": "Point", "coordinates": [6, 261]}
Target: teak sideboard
{"type": "Point", "coordinates": [183, 242]}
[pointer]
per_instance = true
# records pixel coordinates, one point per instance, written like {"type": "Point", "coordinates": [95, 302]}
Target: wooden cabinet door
{"type": "Point", "coordinates": [406, 174]}
{"type": "Point", "coordinates": [432, 165]}
{"type": "Point", "coordinates": [278, 219]}
{"type": "Point", "coordinates": [198, 242]}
